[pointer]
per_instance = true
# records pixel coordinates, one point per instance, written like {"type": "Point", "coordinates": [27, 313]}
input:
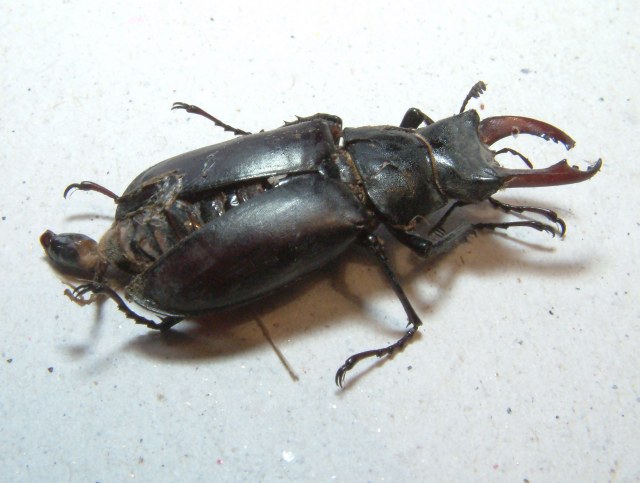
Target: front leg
{"type": "Point", "coordinates": [448, 240]}
{"type": "Point", "coordinates": [424, 247]}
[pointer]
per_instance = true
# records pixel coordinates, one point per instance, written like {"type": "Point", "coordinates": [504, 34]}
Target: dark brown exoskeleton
{"type": "Point", "coordinates": [227, 224]}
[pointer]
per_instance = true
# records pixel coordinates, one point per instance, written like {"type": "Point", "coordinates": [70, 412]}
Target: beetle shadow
{"type": "Point", "coordinates": [480, 255]}
{"type": "Point", "coordinates": [483, 254]}
{"type": "Point", "coordinates": [226, 334]}
{"type": "Point", "coordinates": [232, 332]}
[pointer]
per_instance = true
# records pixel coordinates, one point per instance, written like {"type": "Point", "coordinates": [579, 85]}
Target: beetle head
{"type": "Point", "coordinates": [465, 168]}
{"type": "Point", "coordinates": [72, 253]}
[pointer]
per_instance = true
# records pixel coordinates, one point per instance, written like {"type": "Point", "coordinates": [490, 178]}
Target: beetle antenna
{"type": "Point", "coordinates": [515, 153]}
{"type": "Point", "coordinates": [475, 92]}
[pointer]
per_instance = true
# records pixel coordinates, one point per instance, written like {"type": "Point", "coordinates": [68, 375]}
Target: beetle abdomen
{"type": "Point", "coordinates": [219, 202]}
{"type": "Point", "coordinates": [260, 246]}
{"type": "Point", "coordinates": [140, 238]}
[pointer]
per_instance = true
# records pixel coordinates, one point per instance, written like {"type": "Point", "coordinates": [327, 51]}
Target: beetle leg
{"type": "Point", "coordinates": [191, 109]}
{"type": "Point", "coordinates": [330, 118]}
{"type": "Point", "coordinates": [98, 288]}
{"type": "Point", "coordinates": [475, 92]}
{"type": "Point", "coordinates": [90, 186]}
{"type": "Point", "coordinates": [426, 247]}
{"type": "Point", "coordinates": [375, 245]}
{"type": "Point", "coordinates": [420, 245]}
{"type": "Point", "coordinates": [438, 228]}
{"type": "Point", "coordinates": [334, 122]}
{"type": "Point", "coordinates": [414, 117]}
{"type": "Point", "coordinates": [536, 225]}
{"type": "Point", "coordinates": [443, 243]}
{"type": "Point", "coordinates": [548, 214]}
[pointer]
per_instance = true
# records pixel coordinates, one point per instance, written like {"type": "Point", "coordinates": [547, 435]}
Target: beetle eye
{"type": "Point", "coordinates": [71, 252]}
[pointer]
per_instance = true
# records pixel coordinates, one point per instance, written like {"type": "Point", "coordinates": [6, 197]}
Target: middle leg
{"type": "Point", "coordinates": [375, 245]}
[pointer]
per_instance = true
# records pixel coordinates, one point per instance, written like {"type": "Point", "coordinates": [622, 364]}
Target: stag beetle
{"type": "Point", "coordinates": [226, 224]}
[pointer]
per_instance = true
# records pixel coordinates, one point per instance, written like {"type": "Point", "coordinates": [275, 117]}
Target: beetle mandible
{"type": "Point", "coordinates": [226, 224]}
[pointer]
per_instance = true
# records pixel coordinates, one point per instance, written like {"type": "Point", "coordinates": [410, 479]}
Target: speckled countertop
{"type": "Point", "coordinates": [527, 367]}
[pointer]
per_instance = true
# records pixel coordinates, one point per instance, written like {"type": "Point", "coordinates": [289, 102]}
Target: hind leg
{"type": "Point", "coordinates": [99, 288]}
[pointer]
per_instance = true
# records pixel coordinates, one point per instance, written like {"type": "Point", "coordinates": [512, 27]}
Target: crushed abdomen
{"type": "Point", "coordinates": [222, 201]}
{"type": "Point", "coordinates": [141, 237]}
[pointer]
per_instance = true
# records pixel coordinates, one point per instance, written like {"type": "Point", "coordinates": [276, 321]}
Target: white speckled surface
{"type": "Point", "coordinates": [527, 367]}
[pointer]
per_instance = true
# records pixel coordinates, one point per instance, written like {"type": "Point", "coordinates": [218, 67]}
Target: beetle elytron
{"type": "Point", "coordinates": [227, 224]}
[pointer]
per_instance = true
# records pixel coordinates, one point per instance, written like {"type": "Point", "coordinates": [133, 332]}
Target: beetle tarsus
{"type": "Point", "coordinates": [385, 351]}
{"type": "Point", "coordinates": [536, 225]}
{"type": "Point", "coordinates": [375, 245]}
{"type": "Point", "coordinates": [191, 109]}
{"type": "Point", "coordinates": [90, 186]}
{"type": "Point", "coordinates": [547, 213]}
{"type": "Point", "coordinates": [507, 208]}
{"type": "Point", "coordinates": [475, 92]}
{"type": "Point", "coordinates": [77, 295]}
{"type": "Point", "coordinates": [78, 299]}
